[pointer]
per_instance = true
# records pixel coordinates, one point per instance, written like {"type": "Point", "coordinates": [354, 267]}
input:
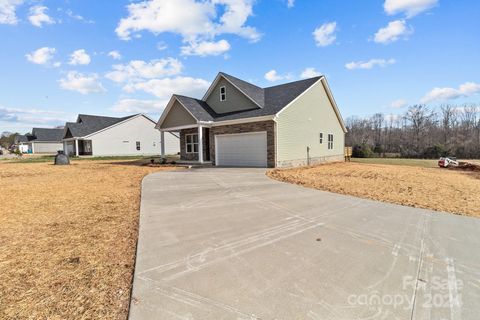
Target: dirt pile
{"type": "Point", "coordinates": [467, 166]}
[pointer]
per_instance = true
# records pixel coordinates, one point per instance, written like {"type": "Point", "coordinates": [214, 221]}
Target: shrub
{"type": "Point", "coordinates": [362, 151]}
{"type": "Point", "coordinates": [435, 152]}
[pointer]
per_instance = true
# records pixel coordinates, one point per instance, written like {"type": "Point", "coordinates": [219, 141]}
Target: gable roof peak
{"type": "Point", "coordinates": [251, 91]}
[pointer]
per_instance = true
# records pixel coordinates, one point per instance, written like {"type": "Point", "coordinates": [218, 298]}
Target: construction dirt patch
{"type": "Point", "coordinates": [68, 236]}
{"type": "Point", "coordinates": [454, 191]}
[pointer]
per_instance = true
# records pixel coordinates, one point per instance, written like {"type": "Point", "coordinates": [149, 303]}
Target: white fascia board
{"type": "Point", "coordinates": [298, 97]}
{"type": "Point", "coordinates": [208, 124]}
{"type": "Point", "coordinates": [334, 104]}
{"type": "Point", "coordinates": [244, 120]}
{"type": "Point", "coordinates": [326, 87]}
{"type": "Point", "coordinates": [167, 110]}
{"type": "Point", "coordinates": [113, 125]}
{"type": "Point", "coordinates": [214, 83]}
{"type": "Point", "coordinates": [148, 118]}
{"type": "Point", "coordinates": [42, 141]}
{"type": "Point", "coordinates": [188, 126]}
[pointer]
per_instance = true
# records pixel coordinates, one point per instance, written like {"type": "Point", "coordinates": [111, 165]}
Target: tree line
{"type": "Point", "coordinates": [420, 132]}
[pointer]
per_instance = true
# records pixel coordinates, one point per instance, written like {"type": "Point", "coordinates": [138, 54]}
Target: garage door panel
{"type": "Point", "coordinates": [242, 149]}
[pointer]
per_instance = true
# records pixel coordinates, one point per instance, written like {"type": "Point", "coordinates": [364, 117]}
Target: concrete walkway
{"type": "Point", "coordinates": [233, 244]}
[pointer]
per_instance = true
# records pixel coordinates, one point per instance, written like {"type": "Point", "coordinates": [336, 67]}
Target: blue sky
{"type": "Point", "coordinates": [61, 58]}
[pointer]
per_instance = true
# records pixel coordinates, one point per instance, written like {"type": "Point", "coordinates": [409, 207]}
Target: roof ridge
{"type": "Point", "coordinates": [181, 95]}
{"type": "Point", "coordinates": [296, 81]}
{"type": "Point", "coordinates": [229, 75]}
{"type": "Point", "coordinates": [94, 115]}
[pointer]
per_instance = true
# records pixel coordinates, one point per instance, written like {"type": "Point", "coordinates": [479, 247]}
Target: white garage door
{"type": "Point", "coordinates": [243, 150]}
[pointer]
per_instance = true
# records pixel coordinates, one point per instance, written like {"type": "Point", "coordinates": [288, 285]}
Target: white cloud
{"type": "Point", "coordinates": [193, 20]}
{"type": "Point", "coordinates": [34, 116]}
{"type": "Point", "coordinates": [325, 34]}
{"type": "Point", "coordinates": [310, 73]}
{"type": "Point", "coordinates": [38, 16]}
{"type": "Point", "coordinates": [206, 48]}
{"type": "Point", "coordinates": [164, 88]}
{"type": "Point", "coordinates": [162, 46]}
{"type": "Point", "coordinates": [7, 11]}
{"type": "Point", "coordinates": [392, 32]}
{"type": "Point", "coordinates": [79, 57]}
{"type": "Point", "coordinates": [290, 3]}
{"type": "Point", "coordinates": [139, 106]}
{"type": "Point", "coordinates": [398, 104]}
{"type": "Point", "coordinates": [438, 94]}
{"type": "Point", "coordinates": [41, 56]}
{"type": "Point", "coordinates": [76, 81]}
{"type": "Point", "coordinates": [78, 17]}
{"type": "Point", "coordinates": [273, 76]}
{"type": "Point", "coordinates": [409, 7]}
{"type": "Point", "coordinates": [138, 70]}
{"type": "Point", "coordinates": [115, 55]}
{"type": "Point", "coordinates": [369, 64]}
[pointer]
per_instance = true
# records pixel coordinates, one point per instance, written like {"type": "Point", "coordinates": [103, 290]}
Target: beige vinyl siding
{"type": "Point", "coordinates": [47, 147]}
{"type": "Point", "coordinates": [178, 116]}
{"type": "Point", "coordinates": [300, 125]}
{"type": "Point", "coordinates": [236, 100]}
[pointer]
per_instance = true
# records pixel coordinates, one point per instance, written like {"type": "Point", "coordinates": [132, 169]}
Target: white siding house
{"type": "Point", "coordinates": [107, 136]}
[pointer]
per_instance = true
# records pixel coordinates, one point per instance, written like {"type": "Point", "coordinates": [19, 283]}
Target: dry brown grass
{"type": "Point", "coordinates": [432, 188]}
{"type": "Point", "coordinates": [68, 236]}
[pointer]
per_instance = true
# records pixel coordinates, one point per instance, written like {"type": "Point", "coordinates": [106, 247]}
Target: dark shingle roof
{"type": "Point", "coordinates": [22, 138]}
{"type": "Point", "coordinates": [88, 124]}
{"type": "Point", "coordinates": [44, 134]}
{"type": "Point", "coordinates": [198, 108]}
{"type": "Point", "coordinates": [275, 99]}
{"type": "Point", "coordinates": [255, 93]}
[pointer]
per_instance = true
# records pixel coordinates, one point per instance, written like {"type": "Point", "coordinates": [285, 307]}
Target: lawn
{"type": "Point", "coordinates": [412, 183]}
{"type": "Point", "coordinates": [50, 158]}
{"type": "Point", "coordinates": [68, 237]}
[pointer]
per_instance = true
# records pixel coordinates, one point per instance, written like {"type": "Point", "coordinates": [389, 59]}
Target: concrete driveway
{"type": "Point", "coordinates": [234, 244]}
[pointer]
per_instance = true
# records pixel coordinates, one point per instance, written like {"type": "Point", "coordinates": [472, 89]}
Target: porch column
{"type": "Point", "coordinates": [65, 151]}
{"type": "Point", "coordinates": [162, 143]}
{"type": "Point", "coordinates": [200, 144]}
{"type": "Point", "coordinates": [76, 147]}
{"type": "Point", "coordinates": [33, 147]}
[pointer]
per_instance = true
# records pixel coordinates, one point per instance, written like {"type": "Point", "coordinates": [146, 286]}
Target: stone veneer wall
{"type": "Point", "coordinates": [268, 126]}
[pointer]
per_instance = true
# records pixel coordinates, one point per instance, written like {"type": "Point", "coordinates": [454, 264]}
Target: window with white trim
{"type": "Point", "coordinates": [191, 143]}
{"type": "Point", "coordinates": [330, 141]}
{"type": "Point", "coordinates": [138, 145]}
{"type": "Point", "coordinates": [321, 137]}
{"type": "Point", "coordinates": [223, 93]}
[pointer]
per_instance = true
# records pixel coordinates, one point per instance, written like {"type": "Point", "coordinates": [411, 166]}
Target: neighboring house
{"type": "Point", "coordinates": [239, 124]}
{"type": "Point", "coordinates": [46, 140]}
{"type": "Point", "coordinates": [22, 142]}
{"type": "Point", "coordinates": [41, 140]}
{"type": "Point", "coordinates": [108, 136]}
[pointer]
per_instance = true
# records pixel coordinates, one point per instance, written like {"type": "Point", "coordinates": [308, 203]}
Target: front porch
{"type": "Point", "coordinates": [77, 147]}
{"type": "Point", "coordinates": [245, 142]}
{"type": "Point", "coordinates": [194, 144]}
